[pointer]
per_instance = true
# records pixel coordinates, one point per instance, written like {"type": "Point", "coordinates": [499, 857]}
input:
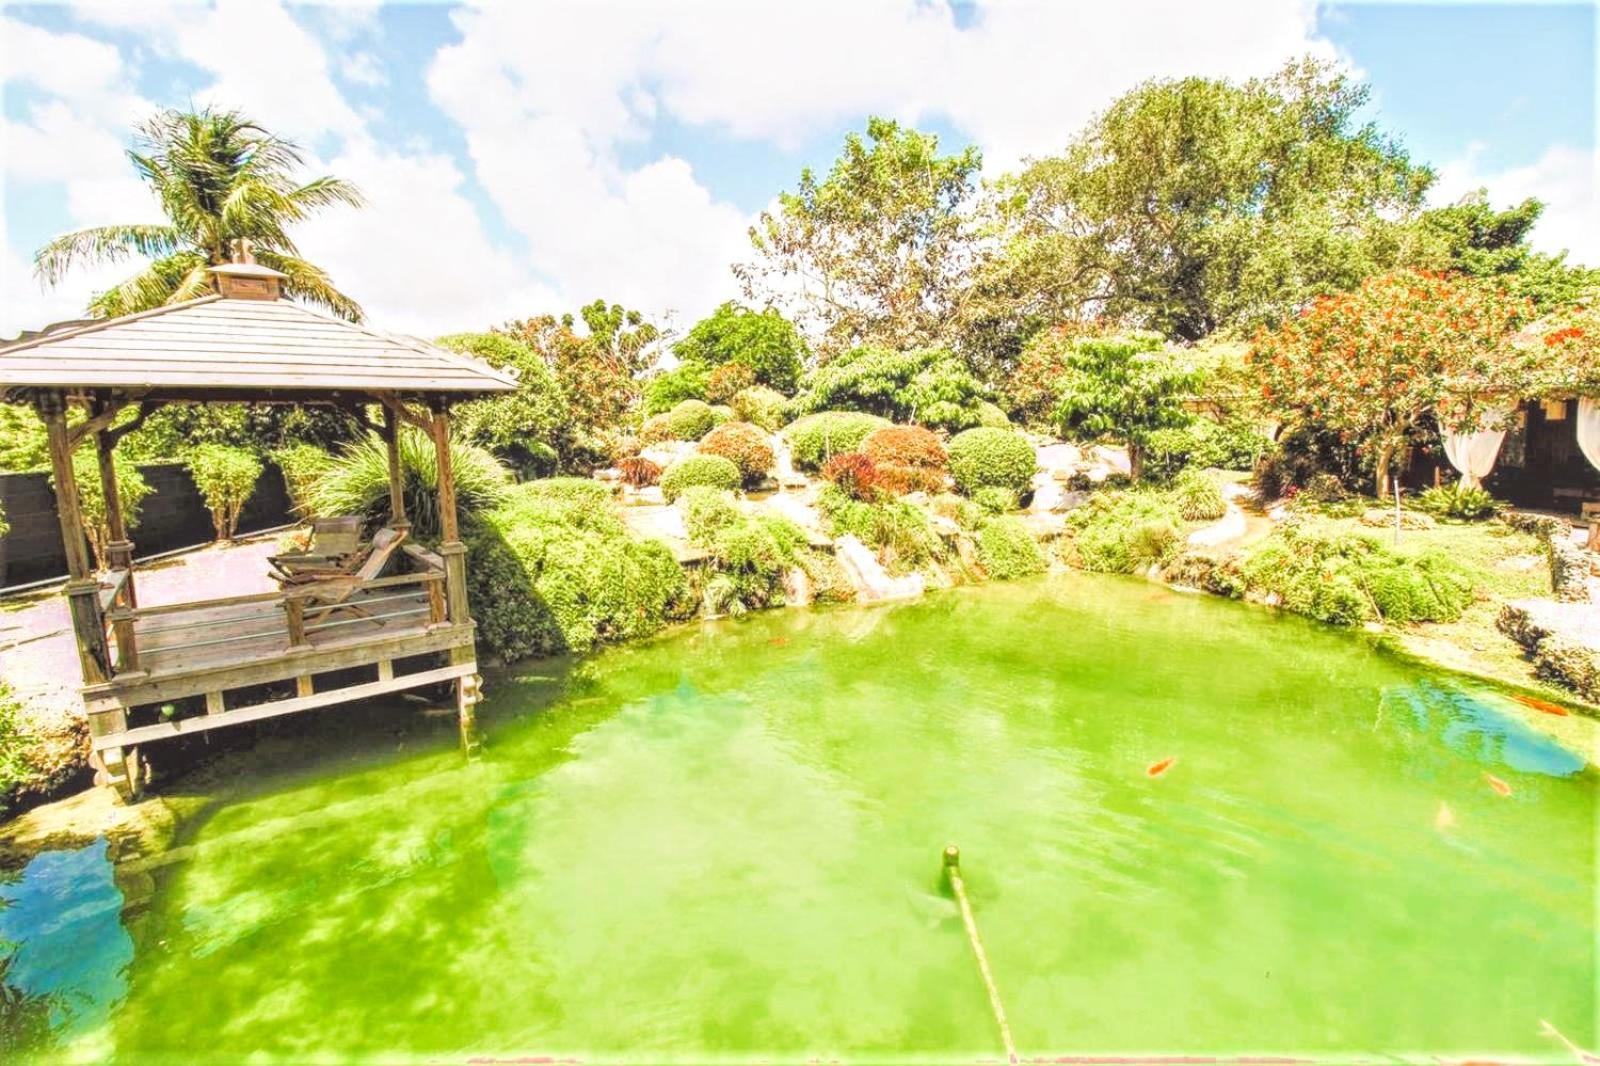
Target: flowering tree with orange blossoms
{"type": "Point", "coordinates": [1371, 364]}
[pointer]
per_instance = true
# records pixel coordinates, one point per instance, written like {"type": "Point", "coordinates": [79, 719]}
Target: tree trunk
{"type": "Point", "coordinates": [1385, 459]}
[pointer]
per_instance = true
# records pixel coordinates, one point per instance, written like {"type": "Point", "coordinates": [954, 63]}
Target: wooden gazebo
{"type": "Point", "coordinates": [252, 656]}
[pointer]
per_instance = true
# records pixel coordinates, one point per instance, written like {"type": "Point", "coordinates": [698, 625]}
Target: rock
{"type": "Point", "coordinates": [609, 474]}
{"type": "Point", "coordinates": [1383, 518]}
{"type": "Point", "coordinates": [1567, 663]}
{"type": "Point", "coordinates": [1060, 460]}
{"type": "Point", "coordinates": [667, 452]}
{"type": "Point", "coordinates": [796, 588]}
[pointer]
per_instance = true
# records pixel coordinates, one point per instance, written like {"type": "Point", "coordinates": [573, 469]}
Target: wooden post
{"type": "Point", "coordinates": [454, 554]}
{"type": "Point", "coordinates": [119, 549]}
{"type": "Point", "coordinates": [397, 496]}
{"type": "Point", "coordinates": [83, 591]}
{"type": "Point", "coordinates": [294, 609]}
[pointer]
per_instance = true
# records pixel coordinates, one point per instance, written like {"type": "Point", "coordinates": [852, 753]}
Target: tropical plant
{"type": "Point", "coordinates": [899, 531]}
{"type": "Point", "coordinates": [226, 478]}
{"type": "Point", "coordinates": [132, 488]}
{"type": "Point", "coordinates": [985, 456]}
{"type": "Point", "coordinates": [929, 386]}
{"type": "Point", "coordinates": [227, 189]}
{"type": "Point", "coordinates": [1121, 389]}
{"type": "Point", "coordinates": [356, 482]}
{"type": "Point", "coordinates": [1468, 502]}
{"type": "Point", "coordinates": [1371, 364]}
{"type": "Point", "coordinates": [813, 438]}
{"type": "Point", "coordinates": [712, 470]}
{"type": "Point", "coordinates": [750, 554]}
{"type": "Point", "coordinates": [764, 343]}
{"type": "Point", "coordinates": [518, 427]}
{"type": "Point", "coordinates": [743, 444]}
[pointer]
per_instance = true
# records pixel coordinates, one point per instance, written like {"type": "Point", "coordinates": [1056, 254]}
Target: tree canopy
{"type": "Point", "coordinates": [764, 341]}
{"type": "Point", "coordinates": [1124, 388]}
{"type": "Point", "coordinates": [227, 188]}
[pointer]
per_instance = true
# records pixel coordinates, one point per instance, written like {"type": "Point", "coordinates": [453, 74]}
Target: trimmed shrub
{"type": "Point", "coordinates": [1007, 550]}
{"type": "Point", "coordinates": [1232, 445]}
{"type": "Point", "coordinates": [1122, 532]}
{"type": "Point", "coordinates": [992, 416]}
{"type": "Point", "coordinates": [669, 388]}
{"type": "Point", "coordinates": [301, 466]}
{"type": "Point", "coordinates": [901, 480]}
{"type": "Point", "coordinates": [853, 474]}
{"type": "Point", "coordinates": [132, 489]}
{"type": "Point", "coordinates": [1198, 496]}
{"type": "Point", "coordinates": [656, 429]}
{"type": "Point", "coordinates": [639, 471]}
{"type": "Point", "coordinates": [691, 420]}
{"type": "Point", "coordinates": [930, 386]}
{"type": "Point", "coordinates": [906, 446]}
{"type": "Point", "coordinates": [899, 531]}
{"type": "Point", "coordinates": [1347, 578]}
{"type": "Point", "coordinates": [723, 383]}
{"type": "Point", "coordinates": [1456, 501]}
{"type": "Point", "coordinates": [988, 456]}
{"type": "Point", "coordinates": [742, 444]}
{"type": "Point", "coordinates": [712, 470]}
{"type": "Point", "coordinates": [553, 569]}
{"type": "Point", "coordinates": [759, 406]}
{"type": "Point", "coordinates": [814, 438]}
{"type": "Point", "coordinates": [356, 481]}
{"type": "Point", "coordinates": [226, 477]}
{"type": "Point", "coordinates": [995, 499]}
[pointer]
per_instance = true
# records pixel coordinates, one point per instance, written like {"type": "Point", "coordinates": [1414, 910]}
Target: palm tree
{"type": "Point", "coordinates": [226, 187]}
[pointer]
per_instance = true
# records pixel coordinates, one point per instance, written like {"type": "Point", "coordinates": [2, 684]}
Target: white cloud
{"type": "Point", "coordinates": [364, 68]}
{"type": "Point", "coordinates": [1564, 178]}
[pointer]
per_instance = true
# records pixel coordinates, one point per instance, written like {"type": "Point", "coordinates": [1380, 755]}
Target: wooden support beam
{"type": "Point", "coordinates": [439, 429]}
{"type": "Point", "coordinates": [214, 703]}
{"type": "Point", "coordinates": [397, 495]}
{"type": "Point", "coordinates": [83, 592]}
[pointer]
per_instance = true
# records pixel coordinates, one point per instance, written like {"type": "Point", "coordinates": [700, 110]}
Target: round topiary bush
{"type": "Point", "coordinates": [690, 420]}
{"type": "Point", "coordinates": [656, 428]}
{"type": "Point", "coordinates": [991, 456]}
{"type": "Point", "coordinates": [744, 445]}
{"type": "Point", "coordinates": [814, 438]}
{"type": "Point", "coordinates": [759, 406]}
{"type": "Point", "coordinates": [906, 446]}
{"type": "Point", "coordinates": [712, 470]}
{"type": "Point", "coordinates": [1007, 550]}
{"type": "Point", "coordinates": [990, 414]}
{"type": "Point", "coordinates": [995, 499]}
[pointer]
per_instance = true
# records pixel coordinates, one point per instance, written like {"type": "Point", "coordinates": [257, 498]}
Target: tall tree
{"type": "Point", "coordinates": [877, 252]}
{"type": "Point", "coordinates": [227, 188]}
{"type": "Point", "coordinates": [1471, 237]}
{"type": "Point", "coordinates": [1194, 205]}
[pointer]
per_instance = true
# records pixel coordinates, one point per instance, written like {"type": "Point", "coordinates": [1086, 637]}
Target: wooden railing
{"type": "Point", "coordinates": [116, 607]}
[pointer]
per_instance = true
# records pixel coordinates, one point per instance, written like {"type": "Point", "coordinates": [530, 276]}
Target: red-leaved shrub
{"type": "Point", "coordinates": [728, 379]}
{"type": "Point", "coordinates": [854, 473]}
{"type": "Point", "coordinates": [639, 471]}
{"type": "Point", "coordinates": [899, 480]}
{"type": "Point", "coordinates": [905, 446]}
{"type": "Point", "coordinates": [744, 445]}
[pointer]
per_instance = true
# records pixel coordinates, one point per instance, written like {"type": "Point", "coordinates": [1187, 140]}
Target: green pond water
{"type": "Point", "coordinates": [724, 844]}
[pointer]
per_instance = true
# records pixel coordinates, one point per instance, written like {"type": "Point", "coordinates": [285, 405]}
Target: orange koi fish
{"type": "Point", "coordinates": [779, 642]}
{"type": "Point", "coordinates": [1497, 784]}
{"type": "Point", "coordinates": [1541, 705]}
{"type": "Point", "coordinates": [1156, 769]}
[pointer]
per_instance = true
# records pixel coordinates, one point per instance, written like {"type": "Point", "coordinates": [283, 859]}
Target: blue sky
{"type": "Point", "coordinates": [531, 156]}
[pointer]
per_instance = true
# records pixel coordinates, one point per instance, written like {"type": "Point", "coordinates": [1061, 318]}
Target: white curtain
{"type": "Point", "coordinates": [1589, 429]}
{"type": "Point", "coordinates": [1474, 453]}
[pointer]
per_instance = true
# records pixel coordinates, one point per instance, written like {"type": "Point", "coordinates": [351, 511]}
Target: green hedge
{"type": "Point", "coordinates": [553, 569]}
{"type": "Point", "coordinates": [1008, 550]}
{"type": "Point", "coordinates": [710, 470]}
{"type": "Point", "coordinates": [991, 456]}
{"type": "Point", "coordinates": [816, 438]}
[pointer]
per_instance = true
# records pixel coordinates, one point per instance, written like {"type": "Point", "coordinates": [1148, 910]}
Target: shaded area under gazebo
{"type": "Point", "coordinates": [263, 655]}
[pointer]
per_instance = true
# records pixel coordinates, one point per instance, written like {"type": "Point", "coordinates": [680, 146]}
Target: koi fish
{"type": "Point", "coordinates": [1497, 784]}
{"type": "Point", "coordinates": [779, 642]}
{"type": "Point", "coordinates": [1446, 818]}
{"type": "Point", "coordinates": [1541, 705]}
{"type": "Point", "coordinates": [1156, 769]}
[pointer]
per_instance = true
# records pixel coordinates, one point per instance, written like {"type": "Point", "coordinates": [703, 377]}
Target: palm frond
{"type": "Point", "coordinates": [153, 287]}
{"type": "Point", "coordinates": [327, 192]}
{"type": "Point", "coordinates": [104, 244]}
{"type": "Point", "coordinates": [309, 283]}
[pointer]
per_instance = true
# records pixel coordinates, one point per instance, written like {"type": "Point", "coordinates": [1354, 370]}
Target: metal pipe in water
{"type": "Point", "coordinates": [952, 872]}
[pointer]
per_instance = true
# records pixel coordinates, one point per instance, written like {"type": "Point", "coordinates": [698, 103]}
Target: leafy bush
{"type": "Point", "coordinates": [669, 388]}
{"type": "Point", "coordinates": [750, 554]}
{"type": "Point", "coordinates": [1346, 579]}
{"type": "Point", "coordinates": [995, 499]}
{"type": "Point", "coordinates": [521, 427]}
{"type": "Point", "coordinates": [553, 569]}
{"type": "Point", "coordinates": [1007, 550]}
{"type": "Point", "coordinates": [691, 420]}
{"type": "Point", "coordinates": [744, 445]}
{"type": "Point", "coordinates": [5, 527]}
{"type": "Point", "coordinates": [1232, 445]}
{"type": "Point", "coordinates": [726, 381]}
{"type": "Point", "coordinates": [1198, 496]}
{"type": "Point", "coordinates": [989, 456]}
{"type": "Point", "coordinates": [1457, 501]}
{"type": "Point", "coordinates": [815, 437]}
{"type": "Point", "coordinates": [639, 471]}
{"type": "Point", "coordinates": [1122, 532]}
{"type": "Point", "coordinates": [765, 342]}
{"type": "Point", "coordinates": [23, 445]}
{"type": "Point", "coordinates": [1124, 389]}
{"type": "Point", "coordinates": [759, 406]}
{"type": "Point", "coordinates": [993, 416]}
{"type": "Point", "coordinates": [855, 475]}
{"type": "Point", "coordinates": [356, 481]}
{"type": "Point", "coordinates": [17, 771]}
{"type": "Point", "coordinates": [132, 489]}
{"type": "Point", "coordinates": [301, 466]}
{"type": "Point", "coordinates": [226, 477]}
{"type": "Point", "coordinates": [906, 446]}
{"type": "Point", "coordinates": [930, 386]}
{"type": "Point", "coordinates": [899, 531]}
{"type": "Point", "coordinates": [712, 470]}
{"type": "Point", "coordinates": [656, 429]}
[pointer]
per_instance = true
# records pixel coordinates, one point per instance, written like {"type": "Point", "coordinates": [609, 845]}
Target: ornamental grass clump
{"type": "Point", "coordinates": [301, 466]}
{"type": "Point", "coordinates": [226, 477]}
{"type": "Point", "coordinates": [1198, 496]}
{"type": "Point", "coordinates": [744, 445]}
{"type": "Point", "coordinates": [898, 531]}
{"type": "Point", "coordinates": [553, 569]}
{"type": "Point", "coordinates": [749, 554]}
{"type": "Point", "coordinates": [1008, 550]}
{"type": "Point", "coordinates": [1347, 579]}
{"type": "Point", "coordinates": [1467, 502]}
{"type": "Point", "coordinates": [991, 456]}
{"type": "Point", "coordinates": [710, 470]}
{"type": "Point", "coordinates": [356, 482]}
{"type": "Point", "coordinates": [816, 438]}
